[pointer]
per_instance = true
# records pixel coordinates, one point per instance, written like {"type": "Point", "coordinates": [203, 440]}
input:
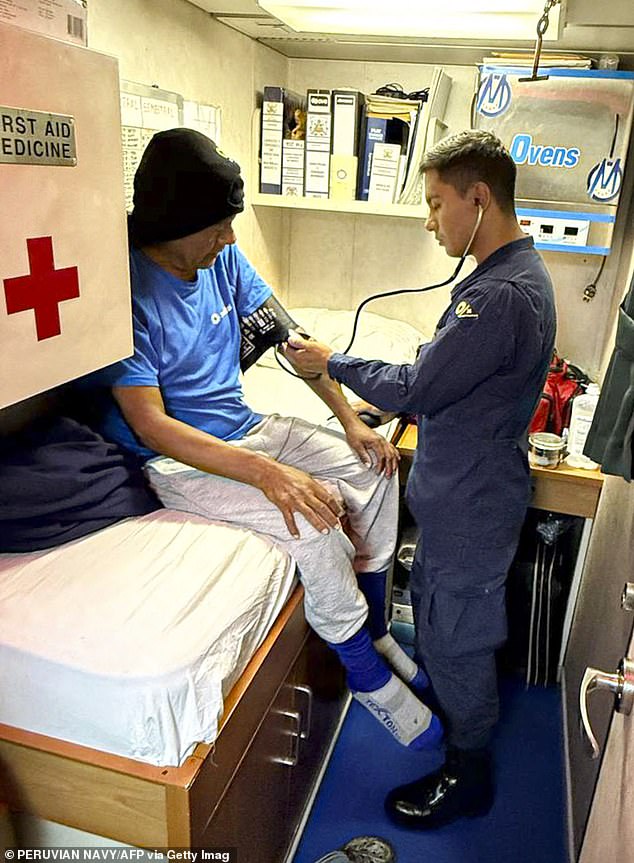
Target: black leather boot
{"type": "Point", "coordinates": [463, 787]}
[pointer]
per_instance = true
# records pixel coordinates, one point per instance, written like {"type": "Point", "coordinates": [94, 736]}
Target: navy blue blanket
{"type": "Point", "coordinates": [59, 481]}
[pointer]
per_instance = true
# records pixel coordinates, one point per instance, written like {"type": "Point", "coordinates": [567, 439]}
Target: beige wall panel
{"type": "Point", "coordinates": [321, 263]}
{"type": "Point", "coordinates": [581, 326]}
{"type": "Point", "coordinates": [267, 247]}
{"type": "Point", "coordinates": [399, 253]}
{"type": "Point", "coordinates": [335, 74]}
{"type": "Point", "coordinates": [624, 276]}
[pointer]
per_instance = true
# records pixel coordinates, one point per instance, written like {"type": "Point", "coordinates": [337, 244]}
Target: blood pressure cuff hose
{"type": "Point", "coordinates": [266, 326]}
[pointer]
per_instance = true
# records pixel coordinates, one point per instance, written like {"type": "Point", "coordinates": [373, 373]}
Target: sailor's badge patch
{"type": "Point", "coordinates": [464, 310]}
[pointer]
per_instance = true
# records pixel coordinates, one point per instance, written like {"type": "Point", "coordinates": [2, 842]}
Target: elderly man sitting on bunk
{"type": "Point", "coordinates": [178, 404]}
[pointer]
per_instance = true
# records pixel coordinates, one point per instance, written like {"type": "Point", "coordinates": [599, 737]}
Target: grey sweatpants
{"type": "Point", "coordinates": [334, 605]}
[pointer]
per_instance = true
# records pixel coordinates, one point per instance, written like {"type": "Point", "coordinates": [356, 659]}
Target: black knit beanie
{"type": "Point", "coordinates": [182, 185]}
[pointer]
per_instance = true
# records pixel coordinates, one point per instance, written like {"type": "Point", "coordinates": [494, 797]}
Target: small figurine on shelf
{"type": "Point", "coordinates": [298, 131]}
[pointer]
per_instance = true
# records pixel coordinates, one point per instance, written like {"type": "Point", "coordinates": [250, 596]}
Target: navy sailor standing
{"type": "Point", "coordinates": [473, 388]}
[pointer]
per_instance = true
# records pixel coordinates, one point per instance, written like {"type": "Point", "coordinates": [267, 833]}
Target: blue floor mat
{"type": "Point", "coordinates": [526, 824]}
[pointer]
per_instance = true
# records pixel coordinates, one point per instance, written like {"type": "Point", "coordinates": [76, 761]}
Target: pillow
{"type": "Point", "coordinates": [60, 481]}
{"type": "Point", "coordinates": [377, 337]}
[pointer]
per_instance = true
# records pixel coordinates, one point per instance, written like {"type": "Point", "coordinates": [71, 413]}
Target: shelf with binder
{"type": "Point", "coordinates": [355, 207]}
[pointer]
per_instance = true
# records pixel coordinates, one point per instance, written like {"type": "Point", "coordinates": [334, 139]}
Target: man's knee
{"type": "Point", "coordinates": [321, 546]}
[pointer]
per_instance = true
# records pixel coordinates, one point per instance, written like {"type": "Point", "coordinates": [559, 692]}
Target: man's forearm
{"type": "Point", "coordinates": [182, 442]}
{"type": "Point", "coordinates": [331, 394]}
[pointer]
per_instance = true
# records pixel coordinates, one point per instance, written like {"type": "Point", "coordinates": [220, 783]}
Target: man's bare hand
{"type": "Point", "coordinates": [372, 448]}
{"type": "Point", "coordinates": [292, 491]}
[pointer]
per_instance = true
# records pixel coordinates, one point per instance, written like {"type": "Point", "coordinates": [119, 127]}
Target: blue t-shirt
{"type": "Point", "coordinates": [187, 343]}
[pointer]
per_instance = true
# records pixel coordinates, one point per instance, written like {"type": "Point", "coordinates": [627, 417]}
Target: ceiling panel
{"type": "Point", "coordinates": [590, 27]}
{"type": "Point", "coordinates": [229, 7]}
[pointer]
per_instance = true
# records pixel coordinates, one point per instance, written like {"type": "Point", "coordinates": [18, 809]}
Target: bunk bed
{"type": "Point", "coordinates": [248, 789]}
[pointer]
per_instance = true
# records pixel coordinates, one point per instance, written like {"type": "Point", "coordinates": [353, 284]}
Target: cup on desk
{"type": "Point", "coordinates": [546, 450]}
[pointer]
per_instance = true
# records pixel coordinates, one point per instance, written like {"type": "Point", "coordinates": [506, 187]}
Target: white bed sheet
{"type": "Point", "coordinates": [269, 389]}
{"type": "Point", "coordinates": [127, 640]}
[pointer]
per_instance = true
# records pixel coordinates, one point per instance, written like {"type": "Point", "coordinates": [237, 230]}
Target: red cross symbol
{"type": "Point", "coordinates": [43, 289]}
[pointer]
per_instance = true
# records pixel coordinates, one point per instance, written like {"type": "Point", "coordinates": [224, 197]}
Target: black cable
{"type": "Point", "coordinates": [399, 291]}
{"type": "Point", "coordinates": [451, 278]}
{"type": "Point", "coordinates": [381, 296]}
{"type": "Point", "coordinates": [290, 372]}
{"type": "Point", "coordinates": [472, 108]}
{"type": "Point", "coordinates": [614, 137]}
{"type": "Point", "coordinates": [598, 275]}
{"type": "Point", "coordinates": [371, 299]}
{"type": "Point", "coordinates": [591, 289]}
{"type": "Point", "coordinates": [395, 91]}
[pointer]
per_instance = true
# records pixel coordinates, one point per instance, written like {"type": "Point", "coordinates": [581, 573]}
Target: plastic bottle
{"type": "Point", "coordinates": [583, 408]}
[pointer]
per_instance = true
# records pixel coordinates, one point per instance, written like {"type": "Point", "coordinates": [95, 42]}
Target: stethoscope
{"type": "Point", "coordinates": [422, 290]}
{"type": "Point", "coordinates": [395, 293]}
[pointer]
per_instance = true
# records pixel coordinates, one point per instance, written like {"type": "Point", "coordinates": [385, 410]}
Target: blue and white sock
{"type": "Point", "coordinates": [405, 717]}
{"type": "Point", "coordinates": [402, 664]}
{"type": "Point", "coordinates": [382, 693]}
{"type": "Point", "coordinates": [373, 587]}
{"type": "Point", "coordinates": [365, 669]}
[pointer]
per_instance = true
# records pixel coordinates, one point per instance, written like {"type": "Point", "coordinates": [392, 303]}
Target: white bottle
{"type": "Point", "coordinates": [583, 408]}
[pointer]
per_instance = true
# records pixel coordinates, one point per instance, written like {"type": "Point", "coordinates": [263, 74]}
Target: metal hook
{"type": "Point", "coordinates": [542, 26]}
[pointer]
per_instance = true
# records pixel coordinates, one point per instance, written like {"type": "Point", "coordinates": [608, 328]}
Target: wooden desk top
{"type": "Point", "coordinates": [565, 489]}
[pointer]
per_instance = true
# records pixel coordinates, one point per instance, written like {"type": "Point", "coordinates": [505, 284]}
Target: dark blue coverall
{"type": "Point", "coordinates": [473, 388]}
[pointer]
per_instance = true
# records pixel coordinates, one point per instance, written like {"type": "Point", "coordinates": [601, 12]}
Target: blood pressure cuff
{"type": "Point", "coordinates": [266, 326]}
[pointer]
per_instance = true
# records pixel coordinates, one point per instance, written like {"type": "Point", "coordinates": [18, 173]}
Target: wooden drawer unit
{"type": "Point", "coordinates": [319, 694]}
{"type": "Point", "coordinates": [261, 808]}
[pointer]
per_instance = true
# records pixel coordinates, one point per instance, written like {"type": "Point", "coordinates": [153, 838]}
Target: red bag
{"type": "Point", "coordinates": [563, 383]}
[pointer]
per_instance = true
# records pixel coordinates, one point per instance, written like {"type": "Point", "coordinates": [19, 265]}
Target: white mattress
{"type": "Point", "coordinates": [127, 640]}
{"type": "Point", "coordinates": [269, 389]}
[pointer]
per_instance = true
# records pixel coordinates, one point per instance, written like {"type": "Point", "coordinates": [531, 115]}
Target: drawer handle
{"type": "Point", "coordinates": [295, 733]}
{"type": "Point", "coordinates": [304, 733]}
